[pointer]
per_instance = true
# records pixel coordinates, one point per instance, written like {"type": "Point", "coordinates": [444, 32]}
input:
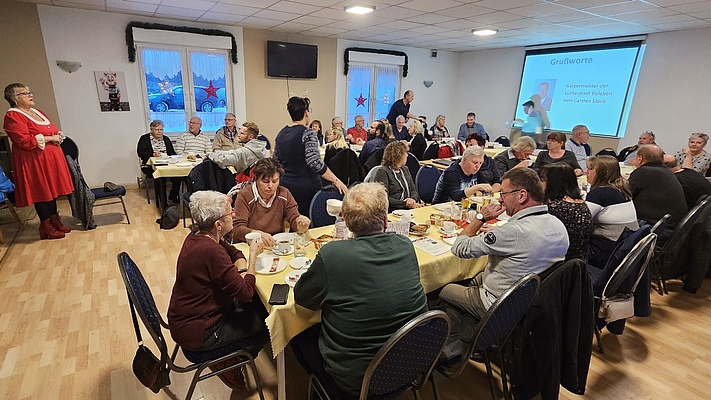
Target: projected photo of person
{"type": "Point", "coordinates": [545, 89]}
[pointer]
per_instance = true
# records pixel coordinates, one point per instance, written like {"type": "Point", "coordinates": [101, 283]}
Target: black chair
{"type": "Point", "coordinates": [404, 362]}
{"type": "Point", "coordinates": [623, 281]}
{"type": "Point", "coordinates": [607, 152]}
{"type": "Point", "coordinates": [373, 160]}
{"type": "Point", "coordinates": [317, 209]}
{"type": "Point", "coordinates": [493, 331]}
{"type": "Point", "coordinates": [413, 164]}
{"type": "Point", "coordinates": [660, 226]}
{"type": "Point", "coordinates": [346, 167]}
{"type": "Point", "coordinates": [116, 195]}
{"type": "Point", "coordinates": [426, 181]}
{"type": "Point", "coordinates": [70, 148]}
{"type": "Point", "coordinates": [142, 303]}
{"type": "Point", "coordinates": [663, 265]}
{"type": "Point", "coordinates": [503, 140]}
{"type": "Point", "coordinates": [431, 151]}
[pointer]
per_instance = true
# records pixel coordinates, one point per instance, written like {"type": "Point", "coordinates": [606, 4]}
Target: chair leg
{"type": "Point", "coordinates": [193, 383]}
{"type": "Point", "coordinates": [598, 339]}
{"type": "Point", "coordinates": [258, 381]}
{"type": "Point", "coordinates": [124, 210]}
{"type": "Point", "coordinates": [504, 380]}
{"type": "Point", "coordinates": [664, 285]}
{"type": "Point", "coordinates": [490, 374]}
{"type": "Point", "coordinates": [15, 216]}
{"type": "Point", "coordinates": [434, 386]}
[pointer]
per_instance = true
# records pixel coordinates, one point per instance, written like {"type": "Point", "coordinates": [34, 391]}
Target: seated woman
{"type": "Point", "coordinates": [418, 144]}
{"type": "Point", "coordinates": [438, 130]}
{"type": "Point", "coordinates": [557, 153]}
{"type": "Point", "coordinates": [611, 207]}
{"type": "Point", "coordinates": [489, 169]}
{"type": "Point", "coordinates": [465, 178]}
{"type": "Point", "coordinates": [402, 191]}
{"type": "Point", "coordinates": [212, 304]}
{"type": "Point", "coordinates": [566, 203]}
{"type": "Point", "coordinates": [263, 206]}
{"type": "Point", "coordinates": [695, 157]}
{"type": "Point", "coordinates": [336, 143]}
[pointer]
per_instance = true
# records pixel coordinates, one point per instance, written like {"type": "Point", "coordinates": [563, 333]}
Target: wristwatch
{"type": "Point", "coordinates": [480, 217]}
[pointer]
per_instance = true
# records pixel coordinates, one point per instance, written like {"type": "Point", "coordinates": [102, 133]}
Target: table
{"type": "Point", "coordinates": [177, 167]}
{"type": "Point", "coordinates": [286, 321]}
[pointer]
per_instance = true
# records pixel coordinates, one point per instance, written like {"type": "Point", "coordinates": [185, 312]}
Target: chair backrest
{"type": "Point", "coordinates": [370, 177]}
{"type": "Point", "coordinates": [317, 209]}
{"type": "Point", "coordinates": [607, 151]}
{"type": "Point", "coordinates": [346, 167]}
{"type": "Point", "coordinates": [501, 318]}
{"type": "Point", "coordinates": [503, 140]}
{"type": "Point", "coordinates": [408, 356]}
{"type": "Point", "coordinates": [661, 225]}
{"type": "Point", "coordinates": [374, 160]}
{"type": "Point", "coordinates": [431, 151]}
{"type": "Point", "coordinates": [70, 148]}
{"type": "Point", "coordinates": [426, 181]}
{"type": "Point", "coordinates": [636, 260]}
{"type": "Point", "coordinates": [141, 299]}
{"type": "Point", "coordinates": [207, 175]}
{"type": "Point", "coordinates": [684, 226]}
{"type": "Point", "coordinates": [413, 164]}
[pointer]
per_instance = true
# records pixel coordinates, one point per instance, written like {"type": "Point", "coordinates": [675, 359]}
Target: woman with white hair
{"type": "Point", "coordinates": [466, 177]}
{"type": "Point", "coordinates": [336, 143]}
{"type": "Point", "coordinates": [418, 144]}
{"type": "Point", "coordinates": [212, 303]}
{"type": "Point", "coordinates": [518, 156]}
{"type": "Point", "coordinates": [695, 157]}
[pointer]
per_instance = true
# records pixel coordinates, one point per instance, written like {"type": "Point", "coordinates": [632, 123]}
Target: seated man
{"type": "Point", "coordinates": [400, 129]}
{"type": "Point", "coordinates": [226, 137]}
{"type": "Point", "coordinates": [376, 141]}
{"type": "Point", "coordinates": [629, 154]}
{"type": "Point", "coordinates": [693, 183]}
{"type": "Point", "coordinates": [518, 156]}
{"type": "Point", "coordinates": [655, 189]}
{"type": "Point", "coordinates": [367, 287]}
{"type": "Point", "coordinates": [250, 151]}
{"type": "Point", "coordinates": [465, 177]}
{"type": "Point", "coordinates": [578, 144]}
{"type": "Point", "coordinates": [152, 144]}
{"type": "Point", "coordinates": [263, 206]}
{"type": "Point", "coordinates": [193, 141]}
{"type": "Point", "coordinates": [530, 242]}
{"type": "Point", "coordinates": [357, 134]}
{"type": "Point", "coordinates": [471, 126]}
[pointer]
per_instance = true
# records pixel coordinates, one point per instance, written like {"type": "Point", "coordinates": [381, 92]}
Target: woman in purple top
{"type": "Point", "coordinates": [296, 148]}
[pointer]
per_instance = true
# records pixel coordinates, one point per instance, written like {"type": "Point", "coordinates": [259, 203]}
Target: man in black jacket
{"type": "Point", "coordinates": [694, 184]}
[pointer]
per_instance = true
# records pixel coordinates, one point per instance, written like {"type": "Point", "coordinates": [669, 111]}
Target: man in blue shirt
{"type": "Point", "coordinates": [402, 107]}
{"type": "Point", "coordinates": [470, 127]}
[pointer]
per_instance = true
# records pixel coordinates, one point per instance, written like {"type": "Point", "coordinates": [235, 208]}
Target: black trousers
{"type": "Point", "coordinates": [245, 323]}
{"type": "Point", "coordinates": [46, 209]}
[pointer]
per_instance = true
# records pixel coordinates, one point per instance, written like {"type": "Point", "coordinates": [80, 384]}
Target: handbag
{"type": "Point", "coordinates": [150, 371]}
{"type": "Point", "coordinates": [616, 308]}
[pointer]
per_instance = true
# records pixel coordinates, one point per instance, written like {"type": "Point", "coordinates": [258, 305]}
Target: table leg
{"type": "Point", "coordinates": [162, 195]}
{"type": "Point", "coordinates": [281, 376]}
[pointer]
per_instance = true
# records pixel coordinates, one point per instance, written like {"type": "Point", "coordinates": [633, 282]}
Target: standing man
{"type": "Point", "coordinates": [530, 242]}
{"type": "Point", "coordinates": [193, 141]}
{"type": "Point", "coordinates": [250, 151]}
{"type": "Point", "coordinates": [578, 144]}
{"type": "Point", "coordinates": [402, 107]}
{"type": "Point", "coordinates": [400, 130]}
{"type": "Point", "coordinates": [471, 126]}
{"type": "Point", "coordinates": [357, 134]}
{"type": "Point", "coordinates": [367, 288]}
{"type": "Point", "coordinates": [629, 154]}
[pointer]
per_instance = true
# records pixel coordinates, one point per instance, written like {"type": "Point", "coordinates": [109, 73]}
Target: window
{"type": "Point", "coordinates": [184, 82]}
{"type": "Point", "coordinates": [372, 90]}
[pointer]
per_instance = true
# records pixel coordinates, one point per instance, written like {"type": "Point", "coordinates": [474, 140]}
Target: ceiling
{"type": "Point", "coordinates": [431, 24]}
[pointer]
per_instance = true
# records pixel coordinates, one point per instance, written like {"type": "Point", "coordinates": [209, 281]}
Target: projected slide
{"type": "Point", "coordinates": [579, 87]}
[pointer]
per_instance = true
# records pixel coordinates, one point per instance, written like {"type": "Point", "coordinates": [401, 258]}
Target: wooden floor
{"type": "Point", "coordinates": [66, 332]}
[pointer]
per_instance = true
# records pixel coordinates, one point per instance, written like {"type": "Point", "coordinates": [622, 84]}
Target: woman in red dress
{"type": "Point", "coordinates": [39, 169]}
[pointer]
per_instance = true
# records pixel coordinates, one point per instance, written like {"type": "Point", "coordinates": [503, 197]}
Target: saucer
{"type": "Point", "coordinates": [450, 233]}
{"type": "Point", "coordinates": [286, 253]}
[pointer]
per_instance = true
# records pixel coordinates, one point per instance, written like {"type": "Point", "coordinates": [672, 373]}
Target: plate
{"type": "Point", "coordinates": [424, 233]}
{"type": "Point", "coordinates": [402, 213]}
{"type": "Point", "coordinates": [300, 262]}
{"type": "Point", "coordinates": [184, 164]}
{"type": "Point", "coordinates": [265, 262]}
{"type": "Point", "coordinates": [292, 277]}
{"type": "Point", "coordinates": [175, 156]}
{"type": "Point", "coordinates": [278, 253]}
{"type": "Point", "coordinates": [443, 206]}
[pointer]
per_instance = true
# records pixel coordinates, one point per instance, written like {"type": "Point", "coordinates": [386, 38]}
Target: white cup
{"type": "Point", "coordinates": [449, 226]}
{"type": "Point", "coordinates": [283, 246]}
{"type": "Point", "coordinates": [163, 156]}
{"type": "Point", "coordinates": [251, 236]}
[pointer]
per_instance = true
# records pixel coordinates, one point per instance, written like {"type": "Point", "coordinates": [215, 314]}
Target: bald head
{"type": "Point", "coordinates": [670, 162]}
{"type": "Point", "coordinates": [650, 153]}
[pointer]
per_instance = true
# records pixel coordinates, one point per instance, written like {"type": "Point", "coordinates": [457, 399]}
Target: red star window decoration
{"type": "Point", "coordinates": [361, 100]}
{"type": "Point", "coordinates": [211, 91]}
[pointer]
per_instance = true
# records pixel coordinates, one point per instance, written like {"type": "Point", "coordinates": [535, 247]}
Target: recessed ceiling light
{"type": "Point", "coordinates": [485, 32]}
{"type": "Point", "coordinates": [358, 9]}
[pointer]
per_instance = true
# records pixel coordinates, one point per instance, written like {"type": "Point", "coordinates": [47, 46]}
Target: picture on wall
{"type": "Point", "coordinates": [111, 87]}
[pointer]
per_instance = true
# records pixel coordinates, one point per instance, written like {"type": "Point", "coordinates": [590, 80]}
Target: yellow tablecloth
{"type": "Point", "coordinates": [286, 321]}
{"type": "Point", "coordinates": [177, 167]}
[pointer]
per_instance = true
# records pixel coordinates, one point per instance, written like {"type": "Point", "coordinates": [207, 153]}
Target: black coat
{"type": "Point", "coordinates": [145, 150]}
{"type": "Point", "coordinates": [552, 346]}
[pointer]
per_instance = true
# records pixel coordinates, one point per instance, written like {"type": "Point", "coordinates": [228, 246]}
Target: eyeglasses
{"type": "Point", "coordinates": [503, 194]}
{"type": "Point", "coordinates": [24, 94]}
{"type": "Point", "coordinates": [231, 213]}
{"type": "Point", "coordinates": [195, 123]}
{"type": "Point", "coordinates": [230, 119]}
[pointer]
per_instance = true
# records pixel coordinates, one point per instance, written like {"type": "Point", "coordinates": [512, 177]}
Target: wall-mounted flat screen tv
{"type": "Point", "coordinates": [292, 60]}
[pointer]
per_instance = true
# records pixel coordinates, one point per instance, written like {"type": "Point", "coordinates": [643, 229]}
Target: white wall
{"type": "Point", "coordinates": [106, 140]}
{"type": "Point", "coordinates": [487, 84]}
{"type": "Point", "coordinates": [673, 90]}
{"type": "Point", "coordinates": [431, 101]}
